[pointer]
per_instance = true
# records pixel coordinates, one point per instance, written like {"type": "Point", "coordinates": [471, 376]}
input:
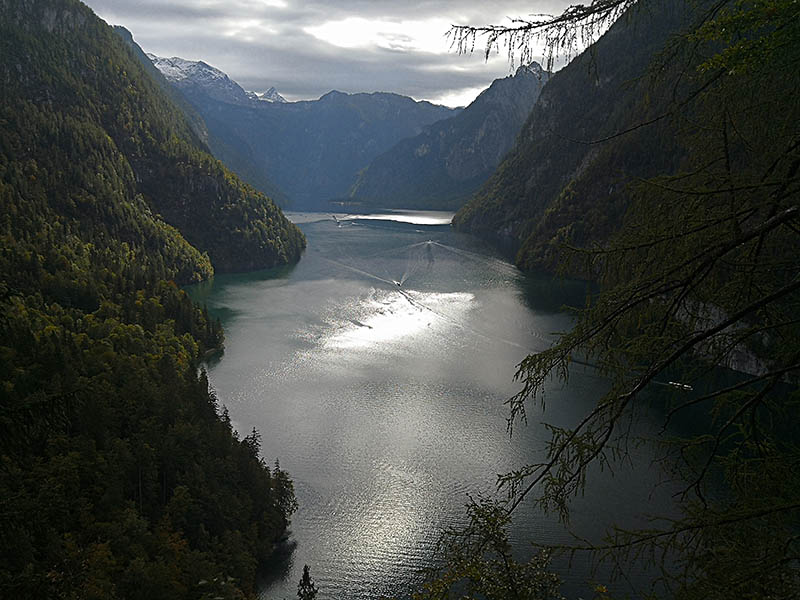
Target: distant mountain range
{"type": "Point", "coordinates": [200, 77]}
{"type": "Point", "coordinates": [311, 150]}
{"type": "Point", "coordinates": [446, 163]}
{"type": "Point", "coordinates": [376, 150]}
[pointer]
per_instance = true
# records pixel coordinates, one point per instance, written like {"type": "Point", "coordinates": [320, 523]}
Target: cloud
{"type": "Point", "coordinates": [305, 49]}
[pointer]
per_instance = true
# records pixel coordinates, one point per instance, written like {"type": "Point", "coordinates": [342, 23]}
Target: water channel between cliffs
{"type": "Point", "coordinates": [376, 370]}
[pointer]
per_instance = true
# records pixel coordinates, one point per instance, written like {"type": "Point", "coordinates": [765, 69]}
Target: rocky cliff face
{"type": "Point", "coordinates": [560, 183]}
{"type": "Point", "coordinates": [448, 161]}
{"type": "Point", "coordinates": [497, 116]}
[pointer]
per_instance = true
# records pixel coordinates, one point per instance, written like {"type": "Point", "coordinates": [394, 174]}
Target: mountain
{"type": "Point", "coordinates": [195, 120]}
{"type": "Point", "coordinates": [155, 160]}
{"type": "Point", "coordinates": [442, 166]}
{"type": "Point", "coordinates": [202, 78]}
{"type": "Point", "coordinates": [311, 150]}
{"type": "Point", "coordinates": [561, 183]}
{"type": "Point", "coordinates": [205, 79]}
{"type": "Point", "coordinates": [121, 476]}
{"type": "Point", "coordinates": [178, 70]}
{"type": "Point", "coordinates": [271, 95]}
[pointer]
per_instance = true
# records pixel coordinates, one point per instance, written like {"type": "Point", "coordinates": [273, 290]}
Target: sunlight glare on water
{"type": "Point", "coordinates": [387, 317]}
{"type": "Point", "coordinates": [376, 370]}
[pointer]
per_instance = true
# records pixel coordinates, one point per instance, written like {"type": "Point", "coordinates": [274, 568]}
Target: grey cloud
{"type": "Point", "coordinates": [279, 52]}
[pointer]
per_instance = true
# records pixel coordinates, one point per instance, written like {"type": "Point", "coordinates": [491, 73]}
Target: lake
{"type": "Point", "coordinates": [376, 370]}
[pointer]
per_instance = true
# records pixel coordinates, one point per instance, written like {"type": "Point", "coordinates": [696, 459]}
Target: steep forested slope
{"type": "Point", "coordinates": [241, 163]}
{"type": "Point", "coordinates": [54, 66]}
{"type": "Point", "coordinates": [442, 166]}
{"type": "Point", "coordinates": [195, 120]}
{"type": "Point", "coordinates": [118, 478]}
{"type": "Point", "coordinates": [561, 182]}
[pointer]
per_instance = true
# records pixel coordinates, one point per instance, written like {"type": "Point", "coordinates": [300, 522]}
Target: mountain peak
{"type": "Point", "coordinates": [332, 94]}
{"type": "Point", "coordinates": [180, 69]}
{"type": "Point", "coordinates": [199, 77]}
{"type": "Point", "coordinates": [271, 95]}
{"type": "Point", "coordinates": [444, 164]}
{"type": "Point", "coordinates": [533, 68]}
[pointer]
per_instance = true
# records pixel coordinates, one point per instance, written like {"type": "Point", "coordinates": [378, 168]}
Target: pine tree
{"type": "Point", "coordinates": [306, 590]}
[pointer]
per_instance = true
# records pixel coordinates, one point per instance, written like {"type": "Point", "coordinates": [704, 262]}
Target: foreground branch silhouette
{"type": "Point", "coordinates": [701, 273]}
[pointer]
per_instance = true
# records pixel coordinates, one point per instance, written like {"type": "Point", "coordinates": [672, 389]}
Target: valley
{"type": "Point", "coordinates": [310, 299]}
{"type": "Point", "coordinates": [389, 344]}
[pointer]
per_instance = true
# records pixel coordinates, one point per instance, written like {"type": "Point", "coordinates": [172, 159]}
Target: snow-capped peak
{"type": "Point", "coordinates": [179, 69]}
{"type": "Point", "coordinates": [271, 95]}
{"type": "Point", "coordinates": [197, 77]}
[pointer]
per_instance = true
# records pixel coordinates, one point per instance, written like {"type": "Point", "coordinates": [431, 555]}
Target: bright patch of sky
{"type": "Point", "coordinates": [456, 98]}
{"type": "Point", "coordinates": [357, 32]}
{"type": "Point", "coordinates": [305, 49]}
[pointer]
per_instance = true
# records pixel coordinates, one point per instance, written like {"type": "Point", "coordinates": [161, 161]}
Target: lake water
{"type": "Point", "coordinates": [376, 370]}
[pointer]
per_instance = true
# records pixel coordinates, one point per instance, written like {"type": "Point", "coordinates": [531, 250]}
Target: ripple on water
{"type": "Point", "coordinates": [385, 402]}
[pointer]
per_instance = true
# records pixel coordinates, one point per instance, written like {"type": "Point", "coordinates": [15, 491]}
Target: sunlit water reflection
{"type": "Point", "coordinates": [376, 370]}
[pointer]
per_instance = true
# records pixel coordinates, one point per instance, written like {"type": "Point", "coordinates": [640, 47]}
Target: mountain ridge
{"type": "Point", "coordinates": [556, 185]}
{"type": "Point", "coordinates": [312, 150]}
{"type": "Point", "coordinates": [213, 81]}
{"type": "Point", "coordinates": [444, 164]}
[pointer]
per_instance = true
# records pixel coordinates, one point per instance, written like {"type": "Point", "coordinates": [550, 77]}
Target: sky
{"type": "Point", "coordinates": [306, 49]}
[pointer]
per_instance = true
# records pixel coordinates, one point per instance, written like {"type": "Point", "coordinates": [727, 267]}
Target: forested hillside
{"type": "Point", "coordinates": [55, 69]}
{"type": "Point", "coordinates": [118, 477]}
{"type": "Point", "coordinates": [677, 190]}
{"type": "Point", "coordinates": [241, 164]}
{"type": "Point", "coordinates": [441, 167]}
{"type": "Point", "coordinates": [195, 120]}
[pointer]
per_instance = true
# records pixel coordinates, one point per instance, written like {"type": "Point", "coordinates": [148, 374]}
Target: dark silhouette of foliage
{"type": "Point", "coordinates": [696, 254]}
{"type": "Point", "coordinates": [306, 590]}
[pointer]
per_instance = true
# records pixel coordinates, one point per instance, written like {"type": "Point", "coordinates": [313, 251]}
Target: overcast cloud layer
{"type": "Point", "coordinates": [306, 49]}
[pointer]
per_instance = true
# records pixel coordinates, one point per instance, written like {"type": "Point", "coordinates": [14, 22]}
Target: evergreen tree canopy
{"type": "Point", "coordinates": [306, 590]}
{"type": "Point", "coordinates": [118, 477]}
